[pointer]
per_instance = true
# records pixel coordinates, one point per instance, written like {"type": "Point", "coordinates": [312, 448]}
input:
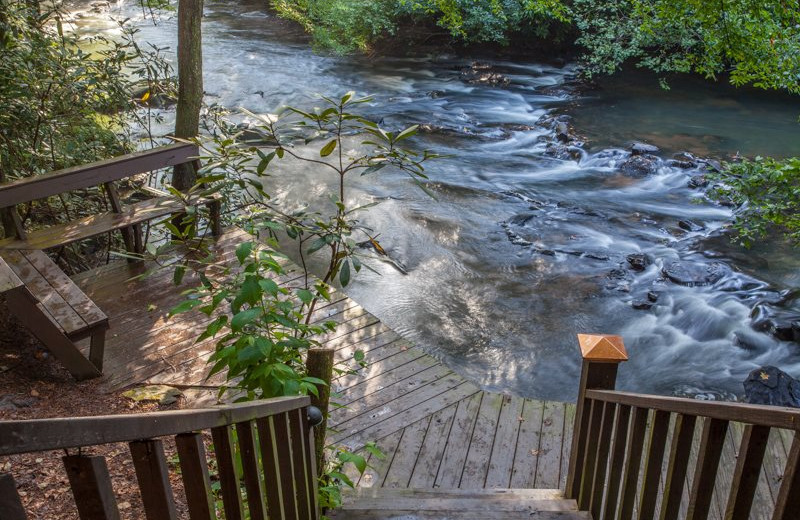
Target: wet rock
{"type": "Point", "coordinates": [640, 165]}
{"type": "Point", "coordinates": [639, 261]}
{"type": "Point", "coordinates": [689, 225]}
{"type": "Point", "coordinates": [481, 74]}
{"type": "Point", "coordinates": [751, 341]}
{"type": "Point", "coordinates": [694, 274]}
{"type": "Point", "coordinates": [643, 149]}
{"type": "Point", "coordinates": [772, 386]}
{"type": "Point", "coordinates": [684, 165]}
{"type": "Point", "coordinates": [652, 296]}
{"type": "Point", "coordinates": [713, 165]}
{"type": "Point", "coordinates": [698, 181]}
{"type": "Point", "coordinates": [562, 132]}
{"type": "Point", "coordinates": [435, 94]}
{"type": "Point", "coordinates": [781, 324]}
{"type": "Point", "coordinates": [563, 152]}
{"type": "Point", "coordinates": [642, 305]}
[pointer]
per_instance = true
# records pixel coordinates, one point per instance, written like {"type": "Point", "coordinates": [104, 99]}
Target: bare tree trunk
{"type": "Point", "coordinates": [190, 84]}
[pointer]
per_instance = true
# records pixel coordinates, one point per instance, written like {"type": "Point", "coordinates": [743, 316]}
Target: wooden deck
{"type": "Point", "coordinates": [436, 429]}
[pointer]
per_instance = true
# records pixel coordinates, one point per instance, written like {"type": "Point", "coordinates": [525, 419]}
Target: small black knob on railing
{"type": "Point", "coordinates": [314, 415]}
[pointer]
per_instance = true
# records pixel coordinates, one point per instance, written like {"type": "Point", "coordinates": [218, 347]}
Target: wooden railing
{"type": "Point", "coordinates": [282, 484]}
{"type": "Point", "coordinates": [615, 475]}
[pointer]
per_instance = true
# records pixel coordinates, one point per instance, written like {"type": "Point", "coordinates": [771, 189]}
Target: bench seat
{"type": "Point", "coordinates": [87, 227]}
{"type": "Point", "coordinates": [58, 297]}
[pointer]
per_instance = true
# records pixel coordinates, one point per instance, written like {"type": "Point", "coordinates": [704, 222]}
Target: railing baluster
{"type": "Point", "coordinates": [681, 449]}
{"type": "Point", "coordinates": [272, 467]}
{"type": "Point", "coordinates": [311, 474]}
{"type": "Point", "coordinates": [705, 475]}
{"type": "Point", "coordinates": [297, 438]}
{"type": "Point", "coordinates": [748, 469]}
{"type": "Point", "coordinates": [285, 458]}
{"type": "Point", "coordinates": [601, 357]}
{"type": "Point", "coordinates": [653, 464]}
{"type": "Point", "coordinates": [194, 471]}
{"type": "Point", "coordinates": [601, 463]}
{"type": "Point", "coordinates": [10, 503]}
{"type": "Point", "coordinates": [153, 477]}
{"type": "Point", "coordinates": [633, 462]}
{"type": "Point", "coordinates": [252, 476]}
{"type": "Point", "coordinates": [228, 476]}
{"type": "Point", "coordinates": [617, 461]}
{"type": "Point", "coordinates": [590, 455]}
{"type": "Point", "coordinates": [788, 502]}
{"type": "Point", "coordinates": [91, 487]}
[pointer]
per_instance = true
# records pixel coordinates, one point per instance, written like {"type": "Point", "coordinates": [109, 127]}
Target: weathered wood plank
{"type": "Point", "coordinates": [8, 278]}
{"type": "Point", "coordinates": [194, 472]}
{"type": "Point", "coordinates": [709, 454]}
{"type": "Point", "coordinates": [455, 453]}
{"type": "Point", "coordinates": [599, 481]}
{"type": "Point", "coordinates": [91, 487]}
{"type": "Point", "coordinates": [251, 474]}
{"type": "Point", "coordinates": [788, 502]}
{"type": "Point", "coordinates": [616, 462]}
{"type": "Point", "coordinates": [432, 450]}
{"type": "Point", "coordinates": [10, 503]}
{"type": "Point", "coordinates": [375, 474]}
{"type": "Point", "coordinates": [153, 477]}
{"type": "Point", "coordinates": [480, 444]}
{"type": "Point", "coordinates": [747, 471]}
{"type": "Point", "coordinates": [653, 463]}
{"type": "Point", "coordinates": [406, 455]}
{"type": "Point", "coordinates": [570, 410]}
{"type": "Point", "coordinates": [634, 448]}
{"type": "Point", "coordinates": [527, 451]}
{"type": "Point", "coordinates": [677, 467]}
{"type": "Point", "coordinates": [548, 464]}
{"type": "Point", "coordinates": [225, 452]}
{"type": "Point", "coordinates": [94, 174]}
{"type": "Point", "coordinates": [501, 460]}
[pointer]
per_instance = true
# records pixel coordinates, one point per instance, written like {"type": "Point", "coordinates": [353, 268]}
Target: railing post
{"type": "Point", "coordinates": [319, 364]}
{"type": "Point", "coordinates": [602, 354]}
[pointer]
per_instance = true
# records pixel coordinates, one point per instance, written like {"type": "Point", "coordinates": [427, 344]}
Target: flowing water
{"type": "Point", "coordinates": [522, 250]}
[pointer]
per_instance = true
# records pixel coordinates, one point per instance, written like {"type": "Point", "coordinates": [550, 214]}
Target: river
{"type": "Point", "coordinates": [522, 250]}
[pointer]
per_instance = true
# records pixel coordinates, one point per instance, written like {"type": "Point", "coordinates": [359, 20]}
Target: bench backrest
{"type": "Point", "coordinates": [94, 174]}
{"type": "Point", "coordinates": [8, 279]}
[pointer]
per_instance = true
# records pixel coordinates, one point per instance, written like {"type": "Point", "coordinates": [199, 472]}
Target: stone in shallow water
{"type": "Point", "coordinates": [690, 225]}
{"type": "Point", "coordinates": [639, 261]}
{"type": "Point", "coordinates": [771, 385]}
{"type": "Point", "coordinates": [643, 148]}
{"type": "Point", "coordinates": [694, 274]}
{"type": "Point", "coordinates": [640, 165]}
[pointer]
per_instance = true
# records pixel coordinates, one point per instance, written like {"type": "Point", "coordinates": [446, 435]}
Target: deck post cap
{"type": "Point", "coordinates": [602, 348]}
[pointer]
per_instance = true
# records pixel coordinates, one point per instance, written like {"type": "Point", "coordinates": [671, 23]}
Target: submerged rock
{"type": "Point", "coordinates": [643, 148]}
{"type": "Point", "coordinates": [642, 305]}
{"type": "Point", "coordinates": [639, 261]}
{"type": "Point", "coordinates": [690, 225]}
{"type": "Point", "coordinates": [698, 181]}
{"type": "Point", "coordinates": [771, 385]}
{"type": "Point", "coordinates": [694, 274]}
{"type": "Point", "coordinates": [640, 165]}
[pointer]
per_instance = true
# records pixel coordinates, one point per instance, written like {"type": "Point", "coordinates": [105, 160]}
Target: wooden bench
{"type": "Point", "coordinates": [48, 302]}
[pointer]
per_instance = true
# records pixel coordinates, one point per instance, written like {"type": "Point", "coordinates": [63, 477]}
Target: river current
{"type": "Point", "coordinates": [521, 250]}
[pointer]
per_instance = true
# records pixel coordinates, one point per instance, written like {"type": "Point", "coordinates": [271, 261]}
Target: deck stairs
{"type": "Point", "coordinates": [457, 504]}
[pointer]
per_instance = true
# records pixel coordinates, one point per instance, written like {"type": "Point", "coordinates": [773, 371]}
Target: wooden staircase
{"type": "Point", "coordinates": [457, 504]}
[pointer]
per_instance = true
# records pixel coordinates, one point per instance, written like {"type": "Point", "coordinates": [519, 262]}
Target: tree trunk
{"type": "Point", "coordinates": [190, 84]}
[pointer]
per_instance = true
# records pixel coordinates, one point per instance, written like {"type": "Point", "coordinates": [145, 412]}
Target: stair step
{"type": "Point", "coordinates": [466, 504]}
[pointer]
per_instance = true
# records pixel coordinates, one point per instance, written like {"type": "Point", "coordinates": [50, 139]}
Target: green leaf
{"type": "Point", "coordinates": [328, 148]}
{"type": "Point", "coordinates": [344, 274]}
{"type": "Point", "coordinates": [184, 306]}
{"type": "Point", "coordinates": [243, 251]}
{"type": "Point", "coordinates": [177, 276]}
{"type": "Point", "coordinates": [305, 296]}
{"type": "Point", "coordinates": [269, 286]}
{"type": "Point", "coordinates": [408, 132]}
{"type": "Point", "coordinates": [245, 318]}
{"type": "Point", "coordinates": [359, 356]}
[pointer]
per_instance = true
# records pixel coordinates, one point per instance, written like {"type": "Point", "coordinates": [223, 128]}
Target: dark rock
{"type": "Point", "coordinates": [15, 402]}
{"type": "Point", "coordinates": [643, 149]}
{"type": "Point", "coordinates": [694, 274]}
{"type": "Point", "coordinates": [711, 164]}
{"type": "Point", "coordinates": [684, 165]}
{"type": "Point", "coordinates": [652, 296]}
{"type": "Point", "coordinates": [698, 181]}
{"type": "Point", "coordinates": [639, 261]}
{"type": "Point", "coordinates": [564, 152]}
{"type": "Point", "coordinates": [781, 324]}
{"type": "Point", "coordinates": [435, 94]}
{"type": "Point", "coordinates": [642, 305]}
{"type": "Point", "coordinates": [640, 165]}
{"type": "Point", "coordinates": [689, 225]}
{"type": "Point", "coordinates": [480, 73]}
{"type": "Point", "coordinates": [562, 132]}
{"type": "Point", "coordinates": [772, 386]}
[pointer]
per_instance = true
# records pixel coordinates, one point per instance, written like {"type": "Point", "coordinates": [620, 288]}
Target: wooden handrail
{"type": "Point", "coordinates": [759, 415]}
{"type": "Point", "coordinates": [94, 174]}
{"type": "Point", "coordinates": [75, 432]}
{"type": "Point", "coordinates": [282, 484]}
{"type": "Point", "coordinates": [628, 448]}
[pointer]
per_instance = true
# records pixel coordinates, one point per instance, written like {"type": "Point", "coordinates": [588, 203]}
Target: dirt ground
{"type": "Point", "coordinates": [33, 385]}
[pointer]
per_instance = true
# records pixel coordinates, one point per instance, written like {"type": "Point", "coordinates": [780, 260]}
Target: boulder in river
{"type": "Point", "coordinates": [694, 274]}
{"type": "Point", "coordinates": [640, 165]}
{"type": "Point", "coordinates": [643, 149]}
{"type": "Point", "coordinates": [771, 385]}
{"type": "Point", "coordinates": [639, 261]}
{"type": "Point", "coordinates": [698, 181]}
{"type": "Point", "coordinates": [690, 225]}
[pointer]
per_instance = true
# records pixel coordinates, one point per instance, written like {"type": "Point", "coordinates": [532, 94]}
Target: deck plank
{"type": "Point", "coordinates": [433, 446]}
{"type": "Point", "coordinates": [399, 473]}
{"type": "Point", "coordinates": [548, 465]}
{"type": "Point", "coordinates": [455, 454]}
{"type": "Point", "coordinates": [480, 445]}
{"type": "Point", "coordinates": [527, 452]}
{"type": "Point", "coordinates": [501, 460]}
